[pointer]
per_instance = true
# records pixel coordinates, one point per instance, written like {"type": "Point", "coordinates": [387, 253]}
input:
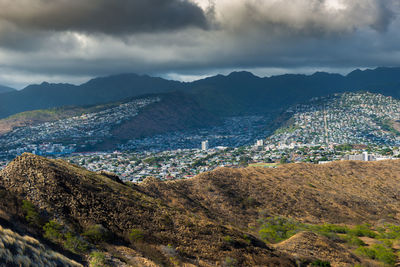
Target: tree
{"type": "Point", "coordinates": [284, 160]}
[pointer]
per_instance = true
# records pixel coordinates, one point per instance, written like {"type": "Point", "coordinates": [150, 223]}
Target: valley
{"type": "Point", "coordinates": [311, 183]}
{"type": "Point", "coordinates": [200, 133]}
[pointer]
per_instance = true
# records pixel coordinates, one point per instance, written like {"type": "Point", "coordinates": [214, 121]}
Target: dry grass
{"type": "Point", "coordinates": [308, 245]}
{"type": "Point", "coordinates": [341, 192]}
{"type": "Point", "coordinates": [17, 250]}
{"type": "Point", "coordinates": [81, 198]}
{"type": "Point", "coordinates": [212, 217]}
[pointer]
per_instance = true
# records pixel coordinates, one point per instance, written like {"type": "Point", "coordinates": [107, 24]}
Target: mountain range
{"type": "Point", "coordinates": [5, 89]}
{"type": "Point", "coordinates": [294, 215]}
{"type": "Point", "coordinates": [236, 93]}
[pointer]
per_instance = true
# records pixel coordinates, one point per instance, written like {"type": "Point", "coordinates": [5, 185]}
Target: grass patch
{"type": "Point", "coordinates": [277, 229]}
{"type": "Point", "coordinates": [363, 230]}
{"type": "Point", "coordinates": [378, 252]}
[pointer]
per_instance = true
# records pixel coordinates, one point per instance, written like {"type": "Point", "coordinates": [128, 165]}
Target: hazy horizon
{"type": "Point", "coordinates": [191, 78]}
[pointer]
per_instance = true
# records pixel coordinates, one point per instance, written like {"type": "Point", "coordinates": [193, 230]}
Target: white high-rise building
{"type": "Point", "coordinates": [260, 143]}
{"type": "Point", "coordinates": [204, 145]}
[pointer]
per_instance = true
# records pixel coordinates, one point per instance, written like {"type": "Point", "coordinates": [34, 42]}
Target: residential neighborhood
{"type": "Point", "coordinates": [185, 163]}
{"type": "Point", "coordinates": [353, 118]}
{"type": "Point", "coordinates": [350, 126]}
{"type": "Point", "coordinates": [66, 135]}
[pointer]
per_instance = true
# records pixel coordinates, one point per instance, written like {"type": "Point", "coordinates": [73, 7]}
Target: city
{"type": "Point", "coordinates": [340, 127]}
{"type": "Point", "coordinates": [349, 118]}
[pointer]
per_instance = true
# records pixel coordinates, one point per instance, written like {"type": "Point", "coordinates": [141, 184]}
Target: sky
{"type": "Point", "coordinates": [75, 40]}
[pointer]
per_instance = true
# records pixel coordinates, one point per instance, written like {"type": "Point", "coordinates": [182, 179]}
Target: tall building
{"type": "Point", "coordinates": [365, 156]}
{"type": "Point", "coordinates": [204, 145]}
{"type": "Point", "coordinates": [260, 143]}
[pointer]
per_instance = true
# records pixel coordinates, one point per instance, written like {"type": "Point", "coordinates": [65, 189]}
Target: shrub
{"type": "Point", "coordinates": [333, 228]}
{"type": "Point", "coordinates": [96, 234]}
{"type": "Point", "coordinates": [31, 214]}
{"type": "Point", "coordinates": [378, 252]}
{"type": "Point", "coordinates": [230, 262]}
{"type": "Point", "coordinates": [386, 242]}
{"type": "Point", "coordinates": [384, 254]}
{"type": "Point", "coordinates": [353, 240]}
{"type": "Point", "coordinates": [390, 231]}
{"type": "Point", "coordinates": [75, 243]}
{"type": "Point", "coordinates": [136, 235]}
{"type": "Point", "coordinates": [97, 259]}
{"type": "Point", "coordinates": [247, 239]}
{"type": "Point", "coordinates": [363, 230]}
{"type": "Point", "coordinates": [52, 231]}
{"type": "Point", "coordinates": [228, 239]}
{"type": "Point", "coordinates": [276, 229]}
{"type": "Point", "coordinates": [366, 252]}
{"type": "Point", "coordinates": [321, 263]}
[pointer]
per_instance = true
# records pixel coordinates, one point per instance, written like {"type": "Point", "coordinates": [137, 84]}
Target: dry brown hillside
{"type": "Point", "coordinates": [164, 234]}
{"type": "Point", "coordinates": [214, 219]}
{"type": "Point", "coordinates": [312, 246]}
{"type": "Point", "coordinates": [17, 250]}
{"type": "Point", "coordinates": [339, 192]}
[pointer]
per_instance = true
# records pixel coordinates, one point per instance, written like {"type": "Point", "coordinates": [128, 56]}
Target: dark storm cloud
{"type": "Point", "coordinates": [304, 17]}
{"type": "Point", "coordinates": [70, 40]}
{"type": "Point", "coordinates": [102, 16]}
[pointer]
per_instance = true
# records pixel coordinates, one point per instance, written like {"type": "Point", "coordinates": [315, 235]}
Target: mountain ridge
{"type": "Point", "coordinates": [6, 89]}
{"type": "Point", "coordinates": [232, 94]}
{"type": "Point", "coordinates": [81, 198]}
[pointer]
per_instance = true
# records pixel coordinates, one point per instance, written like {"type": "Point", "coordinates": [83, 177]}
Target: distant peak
{"type": "Point", "coordinates": [242, 74]}
{"type": "Point", "coordinates": [355, 72]}
{"type": "Point", "coordinates": [320, 73]}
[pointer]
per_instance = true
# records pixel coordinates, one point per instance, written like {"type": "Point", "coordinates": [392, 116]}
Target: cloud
{"type": "Point", "coordinates": [77, 39]}
{"type": "Point", "coordinates": [304, 17]}
{"type": "Point", "coordinates": [102, 16]}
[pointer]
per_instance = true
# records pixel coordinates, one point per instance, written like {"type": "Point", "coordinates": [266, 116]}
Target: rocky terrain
{"type": "Point", "coordinates": [218, 218]}
{"type": "Point", "coordinates": [79, 199]}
